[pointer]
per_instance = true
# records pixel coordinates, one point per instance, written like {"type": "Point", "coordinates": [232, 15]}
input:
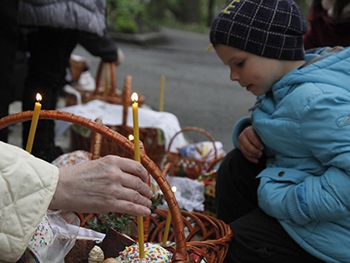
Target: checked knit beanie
{"type": "Point", "coordinates": [268, 28]}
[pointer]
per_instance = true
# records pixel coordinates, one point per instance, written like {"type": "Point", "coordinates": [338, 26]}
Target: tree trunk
{"type": "Point", "coordinates": [189, 11]}
{"type": "Point", "coordinates": [210, 11]}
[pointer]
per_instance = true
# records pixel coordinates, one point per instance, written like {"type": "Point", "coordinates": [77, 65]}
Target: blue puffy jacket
{"type": "Point", "coordinates": [304, 124]}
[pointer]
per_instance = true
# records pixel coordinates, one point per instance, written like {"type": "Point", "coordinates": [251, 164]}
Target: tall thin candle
{"type": "Point", "coordinates": [33, 125]}
{"type": "Point", "coordinates": [134, 98]}
{"type": "Point", "coordinates": [167, 223]}
{"type": "Point", "coordinates": [161, 93]}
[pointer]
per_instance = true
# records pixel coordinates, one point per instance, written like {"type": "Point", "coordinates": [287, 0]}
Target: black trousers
{"type": "Point", "coordinates": [49, 50]}
{"type": "Point", "coordinates": [257, 237]}
{"type": "Point", "coordinates": [9, 42]}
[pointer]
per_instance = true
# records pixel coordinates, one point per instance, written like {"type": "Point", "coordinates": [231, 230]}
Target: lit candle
{"type": "Point", "coordinates": [134, 98]}
{"type": "Point", "coordinates": [161, 94]}
{"type": "Point", "coordinates": [167, 223]}
{"type": "Point", "coordinates": [35, 118]}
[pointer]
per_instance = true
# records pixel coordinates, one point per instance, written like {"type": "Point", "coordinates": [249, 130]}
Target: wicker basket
{"type": "Point", "coordinates": [77, 66]}
{"type": "Point", "coordinates": [105, 88]}
{"type": "Point", "coordinates": [190, 167]}
{"type": "Point", "coordinates": [152, 138]}
{"type": "Point", "coordinates": [195, 235]}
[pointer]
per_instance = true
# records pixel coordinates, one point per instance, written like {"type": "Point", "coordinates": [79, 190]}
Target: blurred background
{"type": "Point", "coordinates": [140, 16]}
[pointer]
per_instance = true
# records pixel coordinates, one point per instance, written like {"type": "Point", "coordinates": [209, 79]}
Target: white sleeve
{"type": "Point", "coordinates": [27, 185]}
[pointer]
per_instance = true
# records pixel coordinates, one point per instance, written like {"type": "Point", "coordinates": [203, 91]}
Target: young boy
{"type": "Point", "coordinates": [285, 188]}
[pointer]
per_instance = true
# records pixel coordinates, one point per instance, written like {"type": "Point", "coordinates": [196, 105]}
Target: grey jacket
{"type": "Point", "coordinates": [84, 15]}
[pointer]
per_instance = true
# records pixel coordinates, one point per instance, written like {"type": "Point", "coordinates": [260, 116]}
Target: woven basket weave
{"type": "Point", "coordinates": [195, 235]}
{"type": "Point", "coordinates": [105, 87]}
{"type": "Point", "coordinates": [190, 167]}
{"type": "Point", "coordinates": [152, 138]}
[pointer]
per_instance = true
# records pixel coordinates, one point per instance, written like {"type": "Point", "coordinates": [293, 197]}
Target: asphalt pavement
{"type": "Point", "coordinates": [197, 86]}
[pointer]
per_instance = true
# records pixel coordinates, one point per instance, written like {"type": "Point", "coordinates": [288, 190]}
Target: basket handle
{"type": "Point", "coordinates": [110, 78]}
{"type": "Point", "coordinates": [180, 254]}
{"type": "Point", "coordinates": [200, 130]}
{"type": "Point", "coordinates": [96, 143]}
{"type": "Point", "coordinates": [126, 97]}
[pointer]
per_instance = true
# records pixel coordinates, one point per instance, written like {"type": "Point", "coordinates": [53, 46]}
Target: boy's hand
{"type": "Point", "coordinates": [250, 144]}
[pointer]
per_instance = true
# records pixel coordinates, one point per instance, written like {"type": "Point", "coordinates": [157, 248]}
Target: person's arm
{"type": "Point", "coordinates": [108, 184]}
{"type": "Point", "coordinates": [301, 196]}
{"type": "Point", "coordinates": [27, 185]}
{"type": "Point", "coordinates": [245, 139]}
{"type": "Point", "coordinates": [104, 47]}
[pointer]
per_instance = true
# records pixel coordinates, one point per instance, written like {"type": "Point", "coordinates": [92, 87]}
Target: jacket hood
{"type": "Point", "coordinates": [325, 67]}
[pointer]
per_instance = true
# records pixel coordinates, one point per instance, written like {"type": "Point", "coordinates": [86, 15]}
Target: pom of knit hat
{"type": "Point", "coordinates": [268, 28]}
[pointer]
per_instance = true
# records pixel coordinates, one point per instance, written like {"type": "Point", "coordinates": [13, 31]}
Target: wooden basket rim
{"type": "Point", "coordinates": [194, 129]}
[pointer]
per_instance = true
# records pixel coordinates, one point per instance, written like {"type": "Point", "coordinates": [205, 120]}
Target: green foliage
{"type": "Point", "coordinates": [142, 16]}
{"type": "Point", "coordinates": [123, 15]}
{"type": "Point", "coordinates": [156, 200]}
{"type": "Point", "coordinates": [120, 223]}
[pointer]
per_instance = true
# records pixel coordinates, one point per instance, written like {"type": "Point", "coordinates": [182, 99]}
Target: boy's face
{"type": "Point", "coordinates": [257, 74]}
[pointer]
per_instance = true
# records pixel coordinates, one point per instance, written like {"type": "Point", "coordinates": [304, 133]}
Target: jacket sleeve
{"type": "Point", "coordinates": [101, 46]}
{"type": "Point", "coordinates": [27, 185]}
{"type": "Point", "coordinates": [303, 196]}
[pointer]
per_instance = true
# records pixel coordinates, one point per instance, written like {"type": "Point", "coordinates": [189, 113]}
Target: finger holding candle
{"type": "Point", "coordinates": [34, 123]}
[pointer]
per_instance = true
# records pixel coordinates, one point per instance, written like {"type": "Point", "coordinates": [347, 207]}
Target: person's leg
{"type": "Point", "coordinates": [9, 41]}
{"type": "Point", "coordinates": [258, 237]}
{"type": "Point", "coordinates": [236, 186]}
{"type": "Point", "coordinates": [50, 50]}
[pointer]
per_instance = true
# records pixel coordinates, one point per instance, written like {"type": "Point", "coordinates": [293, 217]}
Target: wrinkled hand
{"type": "Point", "coordinates": [250, 144]}
{"type": "Point", "coordinates": [108, 184]}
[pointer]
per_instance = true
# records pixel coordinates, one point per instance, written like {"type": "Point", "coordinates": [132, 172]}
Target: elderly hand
{"type": "Point", "coordinates": [250, 144]}
{"type": "Point", "coordinates": [108, 184]}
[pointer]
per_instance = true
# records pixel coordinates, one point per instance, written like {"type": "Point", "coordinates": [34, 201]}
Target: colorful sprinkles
{"type": "Point", "coordinates": [153, 253]}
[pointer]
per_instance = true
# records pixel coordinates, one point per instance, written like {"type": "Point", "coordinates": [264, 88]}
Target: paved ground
{"type": "Point", "coordinates": [197, 86]}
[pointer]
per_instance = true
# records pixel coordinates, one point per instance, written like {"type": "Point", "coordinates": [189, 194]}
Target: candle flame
{"type": "Point", "coordinates": [174, 189]}
{"type": "Point", "coordinates": [38, 97]}
{"type": "Point", "coordinates": [131, 137]}
{"type": "Point", "coordinates": [134, 97]}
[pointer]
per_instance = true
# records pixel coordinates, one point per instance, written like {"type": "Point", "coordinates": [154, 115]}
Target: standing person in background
{"type": "Point", "coordinates": [284, 188]}
{"type": "Point", "coordinates": [329, 24]}
{"type": "Point", "coordinates": [9, 43]}
{"type": "Point", "coordinates": [54, 33]}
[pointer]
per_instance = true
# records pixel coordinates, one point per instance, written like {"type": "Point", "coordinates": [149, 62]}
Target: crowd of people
{"type": "Point", "coordinates": [283, 189]}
